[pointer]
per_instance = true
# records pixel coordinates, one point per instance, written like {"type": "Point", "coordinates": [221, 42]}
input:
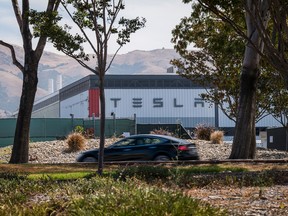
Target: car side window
{"type": "Point", "coordinates": [144, 141]}
{"type": "Point", "coordinates": [158, 140]}
{"type": "Point", "coordinates": [140, 142]}
{"type": "Point", "coordinates": [147, 141]}
{"type": "Point", "coordinates": [125, 142]}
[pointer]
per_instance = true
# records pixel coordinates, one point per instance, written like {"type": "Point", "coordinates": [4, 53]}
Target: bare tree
{"type": "Point", "coordinates": [100, 19]}
{"type": "Point", "coordinates": [20, 151]}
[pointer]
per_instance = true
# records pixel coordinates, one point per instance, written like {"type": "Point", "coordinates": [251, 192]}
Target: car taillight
{"type": "Point", "coordinates": [183, 148]}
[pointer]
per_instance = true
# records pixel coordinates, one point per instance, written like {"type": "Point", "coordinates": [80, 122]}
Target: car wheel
{"type": "Point", "coordinates": [162, 158]}
{"type": "Point", "coordinates": [89, 159]}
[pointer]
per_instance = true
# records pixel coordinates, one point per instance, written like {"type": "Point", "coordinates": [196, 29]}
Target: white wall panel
{"type": "Point", "coordinates": [76, 105]}
{"type": "Point", "coordinates": [157, 103]}
{"type": "Point", "coordinates": [268, 121]}
{"type": "Point", "coordinates": [224, 121]}
{"type": "Point", "coordinates": [154, 106]}
{"type": "Point", "coordinates": [50, 111]}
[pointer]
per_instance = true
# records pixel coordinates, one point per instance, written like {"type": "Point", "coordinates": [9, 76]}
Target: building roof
{"type": "Point", "coordinates": [171, 81]}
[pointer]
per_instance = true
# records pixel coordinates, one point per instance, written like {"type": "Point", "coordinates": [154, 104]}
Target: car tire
{"type": "Point", "coordinates": [162, 158]}
{"type": "Point", "coordinates": [89, 159]}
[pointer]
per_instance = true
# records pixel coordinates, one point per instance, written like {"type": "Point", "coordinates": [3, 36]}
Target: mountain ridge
{"type": "Point", "coordinates": [53, 65]}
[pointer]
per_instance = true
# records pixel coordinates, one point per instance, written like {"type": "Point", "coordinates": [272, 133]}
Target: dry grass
{"type": "Point", "coordinates": [46, 168]}
{"type": "Point", "coordinates": [76, 142]}
{"type": "Point", "coordinates": [203, 132]}
{"type": "Point", "coordinates": [81, 167]}
{"type": "Point", "coordinates": [161, 131]}
{"type": "Point", "coordinates": [216, 137]}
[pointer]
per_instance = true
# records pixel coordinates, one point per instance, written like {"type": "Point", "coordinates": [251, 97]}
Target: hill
{"type": "Point", "coordinates": [53, 65]}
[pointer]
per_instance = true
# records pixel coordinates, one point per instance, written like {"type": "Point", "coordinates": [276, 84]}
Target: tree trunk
{"type": "Point", "coordinates": [102, 125]}
{"type": "Point", "coordinates": [286, 140]}
{"type": "Point", "coordinates": [20, 151]}
{"type": "Point", "coordinates": [244, 142]}
{"type": "Point", "coordinates": [252, 151]}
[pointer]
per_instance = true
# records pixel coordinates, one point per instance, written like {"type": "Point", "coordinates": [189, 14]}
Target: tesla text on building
{"type": "Point", "coordinates": [156, 102]}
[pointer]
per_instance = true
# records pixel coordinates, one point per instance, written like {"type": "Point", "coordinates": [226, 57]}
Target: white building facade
{"type": "Point", "coordinates": [153, 99]}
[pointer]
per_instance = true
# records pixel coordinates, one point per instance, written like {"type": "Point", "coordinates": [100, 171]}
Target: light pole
{"type": "Point", "coordinates": [114, 122]}
{"type": "Point", "coordinates": [72, 121]}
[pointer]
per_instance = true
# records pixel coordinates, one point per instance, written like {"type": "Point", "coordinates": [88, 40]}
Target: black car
{"type": "Point", "coordinates": [145, 147]}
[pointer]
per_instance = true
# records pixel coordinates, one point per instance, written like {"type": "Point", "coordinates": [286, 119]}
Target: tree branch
{"type": "Point", "coordinates": [52, 6]}
{"type": "Point", "coordinates": [13, 55]}
{"type": "Point", "coordinates": [113, 57]}
{"type": "Point", "coordinates": [81, 29]}
{"type": "Point", "coordinates": [226, 19]}
{"type": "Point", "coordinates": [18, 13]}
{"type": "Point", "coordinates": [81, 62]}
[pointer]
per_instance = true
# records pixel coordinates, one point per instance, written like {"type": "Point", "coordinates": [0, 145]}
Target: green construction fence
{"type": "Point", "coordinates": [45, 129]}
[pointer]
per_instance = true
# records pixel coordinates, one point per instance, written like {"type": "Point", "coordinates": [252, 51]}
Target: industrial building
{"type": "Point", "coordinates": [150, 99]}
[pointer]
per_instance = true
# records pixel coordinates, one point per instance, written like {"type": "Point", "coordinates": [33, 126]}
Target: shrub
{"type": "Point", "coordinates": [203, 132]}
{"type": "Point", "coordinates": [216, 137]}
{"type": "Point", "coordinates": [161, 131]}
{"type": "Point", "coordinates": [89, 133]}
{"type": "Point", "coordinates": [76, 142]}
{"type": "Point", "coordinates": [79, 129]}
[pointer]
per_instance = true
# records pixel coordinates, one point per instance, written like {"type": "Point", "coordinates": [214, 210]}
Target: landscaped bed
{"type": "Point", "coordinates": [53, 184]}
{"type": "Point", "coordinates": [65, 189]}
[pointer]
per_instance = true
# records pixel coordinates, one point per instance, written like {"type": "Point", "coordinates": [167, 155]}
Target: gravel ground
{"type": "Point", "coordinates": [254, 201]}
{"type": "Point", "coordinates": [57, 151]}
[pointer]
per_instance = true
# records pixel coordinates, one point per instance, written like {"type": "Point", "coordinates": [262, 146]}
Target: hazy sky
{"type": "Point", "coordinates": [161, 16]}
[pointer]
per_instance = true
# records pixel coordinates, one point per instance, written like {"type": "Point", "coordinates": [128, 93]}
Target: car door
{"type": "Point", "coordinates": [119, 151]}
{"type": "Point", "coordinates": [145, 148]}
{"type": "Point", "coordinates": [139, 151]}
{"type": "Point", "coordinates": [130, 149]}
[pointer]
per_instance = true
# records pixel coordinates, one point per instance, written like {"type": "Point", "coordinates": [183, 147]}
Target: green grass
{"type": "Point", "coordinates": [139, 171]}
{"type": "Point", "coordinates": [60, 176]}
{"type": "Point", "coordinates": [95, 196]}
{"type": "Point", "coordinates": [135, 190]}
{"type": "Point", "coordinates": [201, 176]}
{"type": "Point", "coordinates": [150, 173]}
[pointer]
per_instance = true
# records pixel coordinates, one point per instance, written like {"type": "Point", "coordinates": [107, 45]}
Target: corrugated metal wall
{"type": "Point", "coordinates": [152, 99]}
{"type": "Point", "coordinates": [49, 111]}
{"type": "Point", "coordinates": [267, 121]}
{"type": "Point", "coordinates": [76, 105]}
{"type": "Point", "coordinates": [156, 106]}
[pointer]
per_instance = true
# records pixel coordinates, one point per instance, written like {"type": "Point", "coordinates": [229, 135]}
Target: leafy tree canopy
{"type": "Point", "coordinates": [218, 60]}
{"type": "Point", "coordinates": [99, 17]}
